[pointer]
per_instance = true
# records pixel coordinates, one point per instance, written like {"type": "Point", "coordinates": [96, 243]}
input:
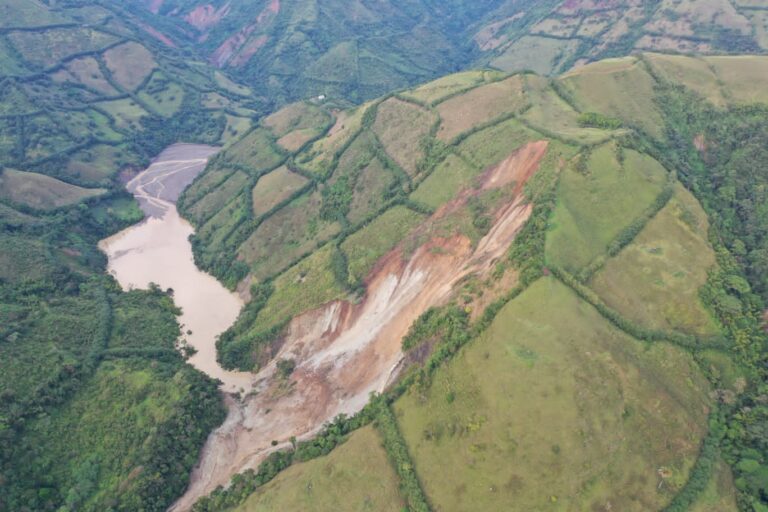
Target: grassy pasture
{"type": "Point", "coordinates": [222, 80]}
{"type": "Point", "coordinates": [482, 104]}
{"type": "Point", "coordinates": [355, 477]}
{"type": "Point", "coordinates": [130, 64]}
{"type": "Point", "coordinates": [274, 188]}
{"type": "Point", "coordinates": [218, 198]}
{"type": "Point", "coordinates": [743, 76]}
{"type": "Point", "coordinates": [257, 151]}
{"type": "Point", "coordinates": [126, 112]}
{"type": "Point", "coordinates": [287, 235]}
{"type": "Point", "coordinates": [297, 116]}
{"type": "Point", "coordinates": [218, 227]}
{"type": "Point", "coordinates": [592, 208]}
{"type": "Point", "coordinates": [554, 115]}
{"type": "Point", "coordinates": [23, 13]}
{"type": "Point", "coordinates": [402, 128]}
{"type": "Point", "coordinates": [618, 88]}
{"type": "Point", "coordinates": [368, 195]}
{"type": "Point", "coordinates": [655, 280]}
{"type": "Point", "coordinates": [542, 55]}
{"type": "Point", "coordinates": [319, 156]}
{"type": "Point", "coordinates": [41, 192]}
{"type": "Point", "coordinates": [448, 179]}
{"type": "Point", "coordinates": [236, 126]}
{"type": "Point", "coordinates": [696, 74]}
{"type": "Point", "coordinates": [307, 285]}
{"type": "Point", "coordinates": [46, 48]}
{"type": "Point", "coordinates": [215, 174]}
{"type": "Point", "coordinates": [442, 87]}
{"type": "Point", "coordinates": [86, 71]}
{"type": "Point", "coordinates": [490, 146]}
{"type": "Point", "coordinates": [9, 64]}
{"type": "Point", "coordinates": [552, 408]}
{"type": "Point", "coordinates": [366, 246]}
{"type": "Point", "coordinates": [97, 162]}
{"type": "Point", "coordinates": [163, 95]}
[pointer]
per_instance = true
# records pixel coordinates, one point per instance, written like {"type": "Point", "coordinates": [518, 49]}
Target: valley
{"type": "Point", "coordinates": [420, 256]}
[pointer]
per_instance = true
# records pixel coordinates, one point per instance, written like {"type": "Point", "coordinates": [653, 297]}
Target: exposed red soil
{"type": "Point", "coordinates": [248, 51]}
{"type": "Point", "coordinates": [157, 35]}
{"type": "Point", "coordinates": [345, 351]}
{"type": "Point", "coordinates": [206, 16]}
{"type": "Point", "coordinates": [237, 42]}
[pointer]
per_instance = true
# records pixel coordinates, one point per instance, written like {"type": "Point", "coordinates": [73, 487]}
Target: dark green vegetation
{"type": "Point", "coordinates": [88, 91]}
{"type": "Point", "coordinates": [636, 308]}
{"type": "Point", "coordinates": [296, 49]}
{"type": "Point", "coordinates": [98, 411]}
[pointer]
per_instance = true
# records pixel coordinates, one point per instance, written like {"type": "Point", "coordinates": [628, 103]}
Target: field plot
{"type": "Point", "coordinates": [287, 235]}
{"type": "Point", "coordinates": [451, 84]}
{"type": "Point", "coordinates": [368, 196]}
{"type": "Point", "coordinates": [218, 227]}
{"type": "Point", "coordinates": [318, 157]}
{"type": "Point", "coordinates": [541, 55]}
{"type": "Point", "coordinates": [594, 207]}
{"type": "Point", "coordinates": [552, 408]}
{"type": "Point", "coordinates": [218, 198]}
{"type": "Point", "coordinates": [41, 192]}
{"type": "Point", "coordinates": [367, 245]}
{"type": "Point", "coordinates": [618, 88]}
{"type": "Point", "coordinates": [552, 114]}
{"type": "Point", "coordinates": [307, 285]}
{"type": "Point", "coordinates": [449, 177]}
{"type": "Point", "coordinates": [297, 124]}
{"type": "Point", "coordinates": [257, 151]}
{"type": "Point", "coordinates": [130, 64]}
{"type": "Point", "coordinates": [45, 49]}
{"type": "Point", "coordinates": [274, 188]}
{"type": "Point", "coordinates": [696, 74]}
{"type": "Point", "coordinates": [743, 76]}
{"type": "Point", "coordinates": [492, 145]}
{"type": "Point", "coordinates": [656, 279]}
{"type": "Point", "coordinates": [402, 128]}
{"type": "Point", "coordinates": [97, 162]}
{"type": "Point", "coordinates": [163, 95]}
{"type": "Point", "coordinates": [86, 71]}
{"type": "Point", "coordinates": [355, 477]}
{"type": "Point", "coordinates": [126, 113]}
{"type": "Point", "coordinates": [480, 105]}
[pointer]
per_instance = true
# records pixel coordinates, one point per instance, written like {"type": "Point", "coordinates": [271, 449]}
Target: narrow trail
{"type": "Point", "coordinates": [345, 351]}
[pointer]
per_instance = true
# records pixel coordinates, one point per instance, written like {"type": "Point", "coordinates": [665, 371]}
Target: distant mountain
{"type": "Point", "coordinates": [292, 49]}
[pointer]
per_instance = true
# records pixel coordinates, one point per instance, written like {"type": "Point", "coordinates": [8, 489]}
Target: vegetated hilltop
{"type": "Point", "coordinates": [86, 91]}
{"type": "Point", "coordinates": [98, 410]}
{"type": "Point", "coordinates": [620, 333]}
{"type": "Point", "coordinates": [294, 49]}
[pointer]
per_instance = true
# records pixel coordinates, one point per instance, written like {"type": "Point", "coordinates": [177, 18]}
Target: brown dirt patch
{"type": "Point", "coordinates": [345, 351]}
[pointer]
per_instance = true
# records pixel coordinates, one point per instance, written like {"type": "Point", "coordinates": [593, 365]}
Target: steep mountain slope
{"type": "Point", "coordinates": [576, 299]}
{"type": "Point", "coordinates": [293, 50]}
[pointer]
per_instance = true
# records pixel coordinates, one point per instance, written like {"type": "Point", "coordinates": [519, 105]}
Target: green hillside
{"type": "Point", "coordinates": [291, 50]}
{"type": "Point", "coordinates": [583, 226]}
{"type": "Point", "coordinates": [86, 91]}
{"type": "Point", "coordinates": [628, 306]}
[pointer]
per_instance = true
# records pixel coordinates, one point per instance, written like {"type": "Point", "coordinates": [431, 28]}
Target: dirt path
{"type": "Point", "coordinates": [345, 351]}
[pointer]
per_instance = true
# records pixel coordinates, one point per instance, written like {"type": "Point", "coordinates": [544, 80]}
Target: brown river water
{"type": "Point", "coordinates": [157, 250]}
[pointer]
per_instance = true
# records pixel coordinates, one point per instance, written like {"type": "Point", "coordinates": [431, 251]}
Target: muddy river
{"type": "Point", "coordinates": [157, 250]}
